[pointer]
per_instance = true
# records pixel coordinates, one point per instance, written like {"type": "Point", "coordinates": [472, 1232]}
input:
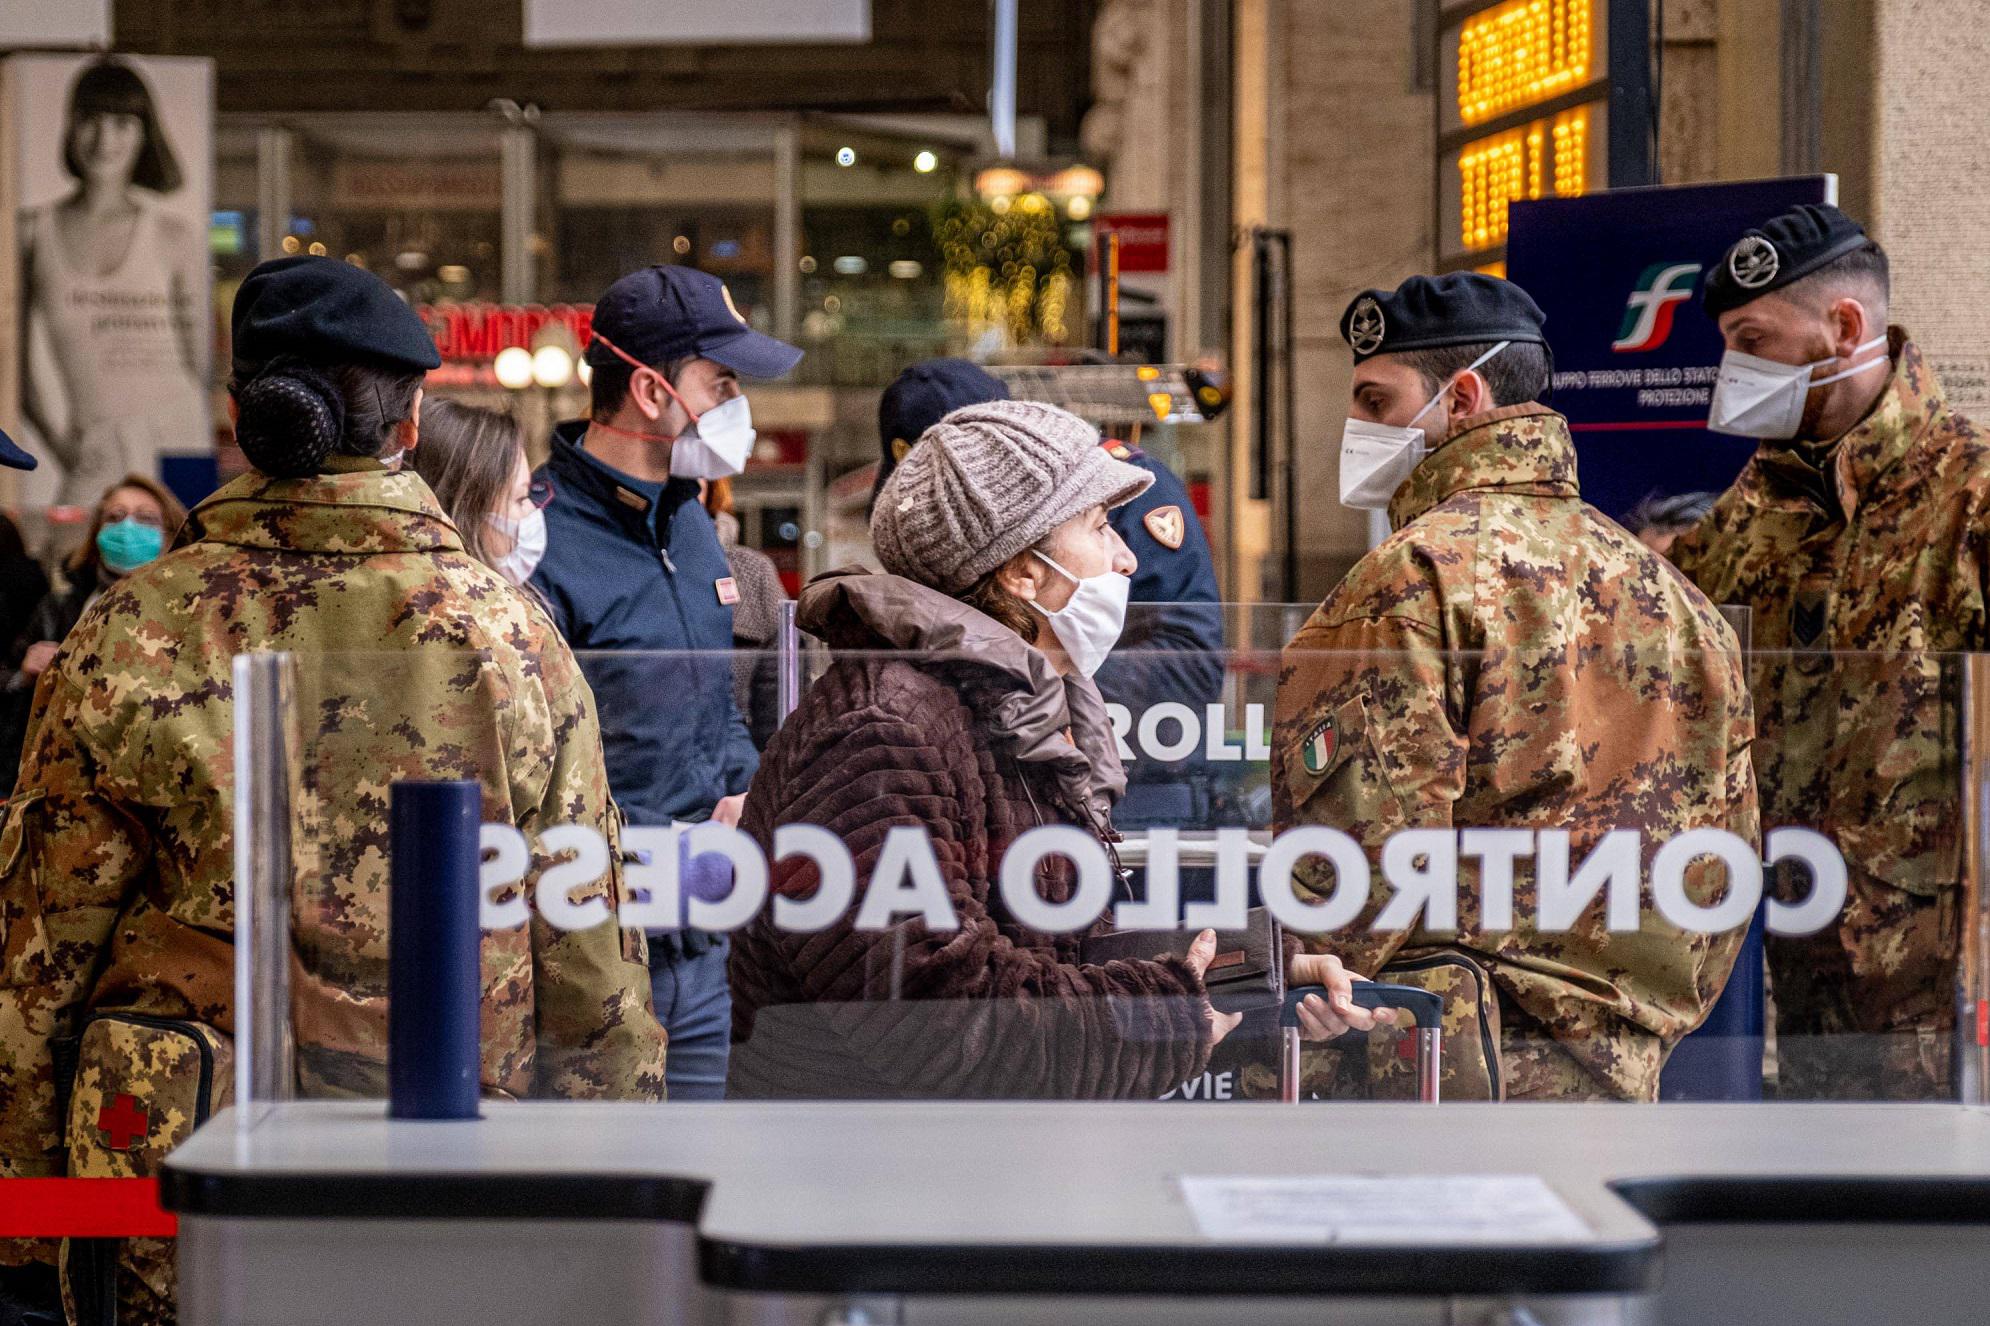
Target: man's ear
{"type": "Point", "coordinates": [1469, 396]}
{"type": "Point", "coordinates": [647, 392]}
{"type": "Point", "coordinates": [1851, 325]}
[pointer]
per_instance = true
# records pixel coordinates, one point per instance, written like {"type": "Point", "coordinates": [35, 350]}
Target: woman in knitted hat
{"type": "Point", "coordinates": [962, 709]}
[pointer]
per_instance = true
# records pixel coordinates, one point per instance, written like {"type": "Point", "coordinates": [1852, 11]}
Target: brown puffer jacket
{"type": "Point", "coordinates": [958, 727]}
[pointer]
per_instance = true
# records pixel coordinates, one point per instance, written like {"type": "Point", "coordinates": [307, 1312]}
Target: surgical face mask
{"type": "Point", "coordinates": [1760, 398]}
{"type": "Point", "coordinates": [716, 444]}
{"type": "Point", "coordinates": [1089, 625]}
{"type": "Point", "coordinates": [528, 545]}
{"type": "Point", "coordinates": [128, 545]}
{"type": "Point", "coordinates": [1376, 459]}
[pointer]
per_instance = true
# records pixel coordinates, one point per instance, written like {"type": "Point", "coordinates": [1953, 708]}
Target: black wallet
{"type": "Point", "coordinates": [1247, 972]}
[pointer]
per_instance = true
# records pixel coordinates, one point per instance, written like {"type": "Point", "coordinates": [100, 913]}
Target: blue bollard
{"type": "Point", "coordinates": [434, 981]}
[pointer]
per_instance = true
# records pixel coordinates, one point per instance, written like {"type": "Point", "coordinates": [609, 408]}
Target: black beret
{"type": "Point", "coordinates": [1426, 312]}
{"type": "Point", "coordinates": [327, 312]}
{"type": "Point", "coordinates": [1785, 248]}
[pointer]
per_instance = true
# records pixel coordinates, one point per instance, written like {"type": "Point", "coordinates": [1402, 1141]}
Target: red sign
{"type": "Point", "coordinates": [1143, 239]}
{"type": "Point", "coordinates": [476, 332]}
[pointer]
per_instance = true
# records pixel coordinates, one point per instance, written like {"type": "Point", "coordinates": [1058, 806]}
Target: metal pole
{"type": "Point", "coordinates": [1002, 85]}
{"type": "Point", "coordinates": [265, 1049]}
{"type": "Point", "coordinates": [273, 149]}
{"type": "Point", "coordinates": [519, 167]}
{"type": "Point", "coordinates": [1290, 449]}
{"type": "Point", "coordinates": [787, 228]}
{"type": "Point", "coordinates": [1973, 977]}
{"type": "Point", "coordinates": [1112, 294]}
{"type": "Point", "coordinates": [1630, 93]}
{"type": "Point", "coordinates": [788, 662]}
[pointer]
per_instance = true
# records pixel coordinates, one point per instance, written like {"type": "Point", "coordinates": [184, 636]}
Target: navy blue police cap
{"type": "Point", "coordinates": [12, 456]}
{"type": "Point", "coordinates": [1785, 248]}
{"type": "Point", "coordinates": [1429, 312]}
{"type": "Point", "coordinates": [325, 311]}
{"type": "Point", "coordinates": [924, 394]}
{"type": "Point", "coordinates": [671, 312]}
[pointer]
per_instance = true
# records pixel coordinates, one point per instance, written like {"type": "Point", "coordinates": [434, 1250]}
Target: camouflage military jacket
{"type": "Point", "coordinates": [413, 661]}
{"type": "Point", "coordinates": [1883, 558]}
{"type": "Point", "coordinates": [1509, 658]}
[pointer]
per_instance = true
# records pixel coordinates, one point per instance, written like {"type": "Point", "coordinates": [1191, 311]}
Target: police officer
{"type": "Point", "coordinates": [1508, 659]}
{"type": "Point", "coordinates": [638, 581]}
{"type": "Point", "coordinates": [117, 882]}
{"type": "Point", "coordinates": [1172, 647]}
{"type": "Point", "coordinates": [1857, 533]}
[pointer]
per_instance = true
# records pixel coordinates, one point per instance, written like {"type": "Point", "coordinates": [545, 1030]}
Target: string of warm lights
{"type": "Point", "coordinates": [1006, 266]}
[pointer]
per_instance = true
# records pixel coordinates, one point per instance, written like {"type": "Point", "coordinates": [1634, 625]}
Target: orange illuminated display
{"type": "Point", "coordinates": [1522, 53]}
{"type": "Point", "coordinates": [1495, 170]}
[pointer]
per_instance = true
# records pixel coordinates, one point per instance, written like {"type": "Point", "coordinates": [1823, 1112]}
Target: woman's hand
{"type": "Point", "coordinates": [40, 655]}
{"type": "Point", "coordinates": [1325, 1019]}
{"type": "Point", "coordinates": [1200, 953]}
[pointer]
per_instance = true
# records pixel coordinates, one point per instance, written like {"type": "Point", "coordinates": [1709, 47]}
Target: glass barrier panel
{"type": "Point", "coordinates": [955, 874]}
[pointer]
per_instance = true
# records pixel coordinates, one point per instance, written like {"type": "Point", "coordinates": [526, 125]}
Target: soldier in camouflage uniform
{"type": "Point", "coordinates": [1509, 659]}
{"type": "Point", "coordinates": [1859, 532]}
{"type": "Point", "coordinates": [415, 661]}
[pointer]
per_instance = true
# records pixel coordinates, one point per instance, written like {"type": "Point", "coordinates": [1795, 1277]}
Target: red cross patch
{"type": "Point", "coordinates": [123, 1124]}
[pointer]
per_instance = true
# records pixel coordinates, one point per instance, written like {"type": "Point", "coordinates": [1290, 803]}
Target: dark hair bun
{"type": "Point", "coordinates": [290, 418]}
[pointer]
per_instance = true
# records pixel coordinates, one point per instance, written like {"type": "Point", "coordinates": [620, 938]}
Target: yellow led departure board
{"type": "Point", "coordinates": [1522, 53]}
{"type": "Point", "coordinates": [1549, 155]}
{"type": "Point", "coordinates": [1524, 111]}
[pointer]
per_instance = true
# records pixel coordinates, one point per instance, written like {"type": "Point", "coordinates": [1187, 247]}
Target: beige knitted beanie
{"type": "Point", "coordinates": [988, 481]}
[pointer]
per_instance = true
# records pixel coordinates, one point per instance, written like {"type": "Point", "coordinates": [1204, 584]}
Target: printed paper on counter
{"type": "Point", "coordinates": [1376, 1210]}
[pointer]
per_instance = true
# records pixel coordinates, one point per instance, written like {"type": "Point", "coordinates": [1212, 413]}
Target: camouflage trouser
{"type": "Point", "coordinates": [1865, 1010]}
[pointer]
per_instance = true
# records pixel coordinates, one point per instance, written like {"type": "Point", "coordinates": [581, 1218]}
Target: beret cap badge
{"type": "Point", "coordinates": [1365, 327]}
{"type": "Point", "coordinates": [1753, 262]}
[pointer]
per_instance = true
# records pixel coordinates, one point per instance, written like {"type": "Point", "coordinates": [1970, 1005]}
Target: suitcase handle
{"type": "Point", "coordinates": [1427, 1008]}
{"type": "Point", "coordinates": [1423, 1005]}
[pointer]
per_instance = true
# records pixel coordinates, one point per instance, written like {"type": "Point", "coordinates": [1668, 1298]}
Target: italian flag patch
{"type": "Point", "coordinates": [1318, 752]}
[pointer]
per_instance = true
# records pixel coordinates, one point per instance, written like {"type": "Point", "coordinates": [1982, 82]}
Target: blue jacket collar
{"type": "Point", "coordinates": [633, 501]}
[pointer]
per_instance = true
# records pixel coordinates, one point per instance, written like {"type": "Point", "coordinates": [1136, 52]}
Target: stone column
{"type": "Point", "coordinates": [1930, 171]}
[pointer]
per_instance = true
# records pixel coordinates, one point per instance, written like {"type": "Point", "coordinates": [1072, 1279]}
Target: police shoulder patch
{"type": "Point", "coordinates": [1167, 525]}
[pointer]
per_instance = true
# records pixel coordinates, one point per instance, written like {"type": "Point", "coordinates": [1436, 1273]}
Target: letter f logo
{"type": "Point", "coordinates": [1648, 313]}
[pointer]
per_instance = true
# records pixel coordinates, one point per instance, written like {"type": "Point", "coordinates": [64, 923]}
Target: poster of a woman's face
{"type": "Point", "coordinates": [114, 204]}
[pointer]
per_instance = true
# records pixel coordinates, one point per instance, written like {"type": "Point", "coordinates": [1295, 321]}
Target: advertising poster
{"type": "Point", "coordinates": [113, 180]}
{"type": "Point", "coordinates": [1619, 275]}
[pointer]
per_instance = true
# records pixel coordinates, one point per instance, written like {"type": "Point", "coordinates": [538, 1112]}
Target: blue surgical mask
{"type": "Point", "coordinates": [128, 545]}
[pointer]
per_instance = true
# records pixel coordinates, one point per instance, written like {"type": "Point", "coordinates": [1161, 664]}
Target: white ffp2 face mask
{"type": "Point", "coordinates": [1090, 624]}
{"type": "Point", "coordinates": [528, 545]}
{"type": "Point", "coordinates": [716, 444]}
{"type": "Point", "coordinates": [1761, 398]}
{"type": "Point", "coordinates": [1376, 459]}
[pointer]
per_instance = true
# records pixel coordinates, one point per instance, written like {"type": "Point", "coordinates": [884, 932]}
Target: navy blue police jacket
{"type": "Point", "coordinates": [637, 582]}
{"type": "Point", "coordinates": [1172, 648]}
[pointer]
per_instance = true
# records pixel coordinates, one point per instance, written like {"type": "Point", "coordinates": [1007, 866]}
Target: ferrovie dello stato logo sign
{"type": "Point", "coordinates": [1661, 288]}
{"type": "Point", "coordinates": [1619, 275]}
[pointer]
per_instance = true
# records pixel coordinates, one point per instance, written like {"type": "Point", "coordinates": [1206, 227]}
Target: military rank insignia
{"type": "Point", "coordinates": [1318, 752]}
{"type": "Point", "coordinates": [1807, 617]}
{"type": "Point", "coordinates": [1165, 523]}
